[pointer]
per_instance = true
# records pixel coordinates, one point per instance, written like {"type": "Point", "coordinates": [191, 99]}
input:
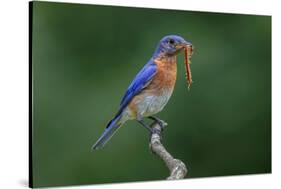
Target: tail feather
{"type": "Point", "coordinates": [109, 131]}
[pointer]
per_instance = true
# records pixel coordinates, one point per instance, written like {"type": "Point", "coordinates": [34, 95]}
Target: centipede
{"type": "Point", "coordinates": [188, 51]}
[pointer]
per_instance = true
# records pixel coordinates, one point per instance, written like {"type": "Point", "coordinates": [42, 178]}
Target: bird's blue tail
{"type": "Point", "coordinates": [109, 131]}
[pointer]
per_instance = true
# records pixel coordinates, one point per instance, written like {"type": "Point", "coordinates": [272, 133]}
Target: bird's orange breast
{"type": "Point", "coordinates": [165, 77]}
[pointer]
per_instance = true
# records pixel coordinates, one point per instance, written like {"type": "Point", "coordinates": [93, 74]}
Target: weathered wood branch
{"type": "Point", "coordinates": [176, 167]}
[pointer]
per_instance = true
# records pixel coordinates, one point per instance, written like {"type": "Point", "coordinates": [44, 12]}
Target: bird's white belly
{"type": "Point", "coordinates": [146, 106]}
{"type": "Point", "coordinates": [152, 104]}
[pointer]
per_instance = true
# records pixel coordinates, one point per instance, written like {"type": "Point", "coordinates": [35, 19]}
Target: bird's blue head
{"type": "Point", "coordinates": [171, 45]}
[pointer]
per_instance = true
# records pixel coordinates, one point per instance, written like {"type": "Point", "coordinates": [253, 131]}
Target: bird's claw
{"type": "Point", "coordinates": [162, 124]}
{"type": "Point", "coordinates": [156, 130]}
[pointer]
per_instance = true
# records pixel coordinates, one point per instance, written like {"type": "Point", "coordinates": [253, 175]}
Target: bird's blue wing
{"type": "Point", "coordinates": [141, 80]}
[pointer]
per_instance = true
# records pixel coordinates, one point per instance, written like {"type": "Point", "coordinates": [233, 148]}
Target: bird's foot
{"type": "Point", "coordinates": [155, 130]}
{"type": "Point", "coordinates": [162, 123]}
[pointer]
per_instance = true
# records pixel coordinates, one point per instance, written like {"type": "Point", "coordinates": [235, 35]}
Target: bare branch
{"type": "Point", "coordinates": [176, 167]}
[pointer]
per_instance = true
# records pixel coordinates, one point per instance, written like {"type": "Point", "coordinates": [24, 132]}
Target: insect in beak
{"type": "Point", "coordinates": [188, 51]}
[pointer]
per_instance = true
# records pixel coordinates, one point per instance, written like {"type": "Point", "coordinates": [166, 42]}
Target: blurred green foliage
{"type": "Point", "coordinates": [84, 58]}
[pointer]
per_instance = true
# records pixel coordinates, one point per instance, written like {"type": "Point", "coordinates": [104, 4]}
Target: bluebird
{"type": "Point", "coordinates": [151, 88]}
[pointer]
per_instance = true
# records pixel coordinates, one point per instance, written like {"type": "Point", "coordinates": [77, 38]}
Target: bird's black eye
{"type": "Point", "coordinates": [171, 41]}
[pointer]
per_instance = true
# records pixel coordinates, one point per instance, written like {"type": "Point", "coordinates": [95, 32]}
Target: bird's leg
{"type": "Point", "coordinates": [144, 125]}
{"type": "Point", "coordinates": [159, 121]}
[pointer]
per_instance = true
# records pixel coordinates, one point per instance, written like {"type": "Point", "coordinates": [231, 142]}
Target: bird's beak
{"type": "Point", "coordinates": [188, 45]}
{"type": "Point", "coordinates": [184, 45]}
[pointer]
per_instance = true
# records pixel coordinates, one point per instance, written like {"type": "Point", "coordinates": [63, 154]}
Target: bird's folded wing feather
{"type": "Point", "coordinates": [141, 80]}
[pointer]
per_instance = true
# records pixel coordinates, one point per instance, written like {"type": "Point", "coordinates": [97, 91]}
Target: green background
{"type": "Point", "coordinates": [84, 58]}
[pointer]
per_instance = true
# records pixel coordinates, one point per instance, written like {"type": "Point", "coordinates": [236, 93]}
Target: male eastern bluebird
{"type": "Point", "coordinates": [151, 88]}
